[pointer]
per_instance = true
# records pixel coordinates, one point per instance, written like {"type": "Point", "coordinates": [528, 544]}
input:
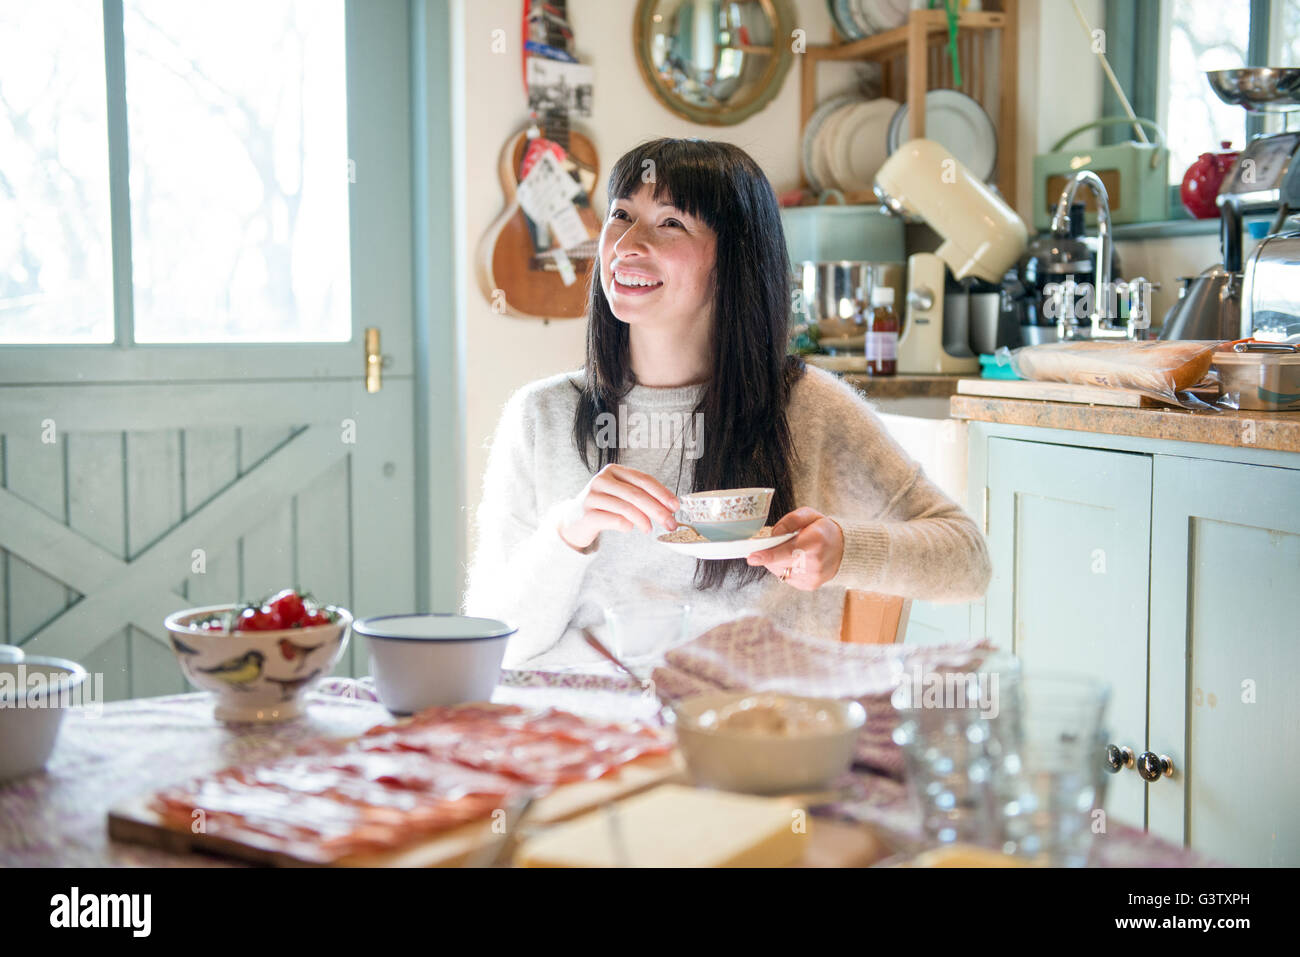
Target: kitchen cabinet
{"type": "Point", "coordinates": [1225, 657]}
{"type": "Point", "coordinates": [1169, 569]}
{"type": "Point", "coordinates": [1069, 532]}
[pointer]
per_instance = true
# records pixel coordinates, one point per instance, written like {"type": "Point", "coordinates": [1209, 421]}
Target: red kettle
{"type": "Point", "coordinates": [1202, 180]}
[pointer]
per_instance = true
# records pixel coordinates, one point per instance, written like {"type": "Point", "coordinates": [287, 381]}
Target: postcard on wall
{"type": "Point", "coordinates": [564, 86]}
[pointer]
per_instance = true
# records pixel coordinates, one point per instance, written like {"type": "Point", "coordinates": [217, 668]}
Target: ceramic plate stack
{"type": "Point", "coordinates": [846, 142]}
{"type": "Point", "coordinates": [856, 19]}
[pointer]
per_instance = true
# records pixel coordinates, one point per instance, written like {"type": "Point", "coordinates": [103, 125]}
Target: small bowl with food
{"type": "Point", "coordinates": [726, 515]}
{"type": "Point", "coordinates": [259, 658]}
{"type": "Point", "coordinates": [763, 742]}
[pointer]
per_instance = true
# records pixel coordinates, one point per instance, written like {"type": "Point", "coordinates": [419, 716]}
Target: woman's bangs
{"type": "Point", "coordinates": [689, 182]}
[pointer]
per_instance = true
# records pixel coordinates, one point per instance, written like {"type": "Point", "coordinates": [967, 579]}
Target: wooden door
{"type": "Point", "coordinates": [138, 479]}
{"type": "Point", "coordinates": [1069, 532]}
{"type": "Point", "coordinates": [1225, 651]}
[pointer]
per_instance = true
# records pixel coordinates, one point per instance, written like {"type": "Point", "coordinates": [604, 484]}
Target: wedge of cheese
{"type": "Point", "coordinates": [676, 826]}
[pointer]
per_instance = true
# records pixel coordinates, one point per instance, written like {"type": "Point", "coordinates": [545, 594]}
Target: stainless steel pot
{"type": "Point", "coordinates": [831, 293]}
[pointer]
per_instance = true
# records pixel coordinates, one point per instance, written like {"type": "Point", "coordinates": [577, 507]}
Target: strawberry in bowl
{"type": "Point", "coordinates": [259, 658]}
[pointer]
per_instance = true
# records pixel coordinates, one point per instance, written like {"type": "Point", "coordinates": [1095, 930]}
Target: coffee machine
{"type": "Point", "coordinates": [981, 238]}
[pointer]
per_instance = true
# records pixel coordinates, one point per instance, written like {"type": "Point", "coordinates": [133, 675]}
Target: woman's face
{"type": "Point", "coordinates": [656, 262]}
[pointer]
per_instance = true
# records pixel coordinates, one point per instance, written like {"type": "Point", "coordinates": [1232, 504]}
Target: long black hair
{"type": "Point", "coordinates": [746, 440]}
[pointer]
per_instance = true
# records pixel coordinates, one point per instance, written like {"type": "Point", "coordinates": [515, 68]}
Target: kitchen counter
{"type": "Point", "coordinates": [1272, 431]}
{"type": "Point", "coordinates": [904, 386]}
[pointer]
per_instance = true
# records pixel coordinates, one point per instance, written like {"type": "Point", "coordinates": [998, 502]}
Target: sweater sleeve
{"type": "Point", "coordinates": [522, 572]}
{"type": "Point", "coordinates": [902, 534]}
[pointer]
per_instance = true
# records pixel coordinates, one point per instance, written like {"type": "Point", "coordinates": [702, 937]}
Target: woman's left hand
{"type": "Point", "coordinates": [812, 557]}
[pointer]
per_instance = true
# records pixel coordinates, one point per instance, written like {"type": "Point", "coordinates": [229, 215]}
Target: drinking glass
{"type": "Point", "coordinates": [1051, 784]}
{"type": "Point", "coordinates": [641, 631]}
{"type": "Point", "coordinates": [952, 749]}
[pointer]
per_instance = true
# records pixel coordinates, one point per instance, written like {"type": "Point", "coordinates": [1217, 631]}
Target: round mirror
{"type": "Point", "coordinates": [714, 61]}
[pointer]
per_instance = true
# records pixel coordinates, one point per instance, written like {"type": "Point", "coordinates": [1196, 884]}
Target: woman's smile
{"type": "Point", "coordinates": [634, 283]}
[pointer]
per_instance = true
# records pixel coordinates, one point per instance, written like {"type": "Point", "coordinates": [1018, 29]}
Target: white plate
{"type": "Point", "coordinates": [859, 149]}
{"type": "Point", "coordinates": [842, 14]}
{"type": "Point", "coordinates": [812, 162]}
{"type": "Point", "coordinates": [862, 18]}
{"type": "Point", "coordinates": [720, 550]}
{"type": "Point", "coordinates": [886, 14]}
{"type": "Point", "coordinates": [959, 125]}
{"type": "Point", "coordinates": [824, 144]}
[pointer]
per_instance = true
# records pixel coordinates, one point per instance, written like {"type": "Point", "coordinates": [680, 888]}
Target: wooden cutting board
{"type": "Point", "coordinates": [1064, 392]}
{"type": "Point", "coordinates": [136, 823]}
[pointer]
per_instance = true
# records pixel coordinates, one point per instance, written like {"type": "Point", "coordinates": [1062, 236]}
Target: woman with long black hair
{"type": "Point", "coordinates": [688, 325]}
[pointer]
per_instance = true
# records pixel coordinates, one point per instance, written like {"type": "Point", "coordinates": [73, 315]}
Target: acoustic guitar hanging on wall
{"type": "Point", "coordinates": [540, 266]}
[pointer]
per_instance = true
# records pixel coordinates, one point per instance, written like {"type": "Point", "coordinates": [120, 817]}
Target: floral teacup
{"type": "Point", "coordinates": [726, 515]}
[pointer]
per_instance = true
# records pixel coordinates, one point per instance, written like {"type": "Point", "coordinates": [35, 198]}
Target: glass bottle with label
{"type": "Point", "coordinates": [882, 333]}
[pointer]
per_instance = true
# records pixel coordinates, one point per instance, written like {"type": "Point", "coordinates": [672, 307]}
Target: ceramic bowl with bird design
{"type": "Point", "coordinates": [256, 675]}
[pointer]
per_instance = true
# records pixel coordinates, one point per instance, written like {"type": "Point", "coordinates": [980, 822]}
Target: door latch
{"type": "Point", "coordinates": [374, 361]}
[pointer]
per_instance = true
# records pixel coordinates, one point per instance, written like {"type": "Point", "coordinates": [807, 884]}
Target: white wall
{"type": "Point", "coordinates": [503, 353]}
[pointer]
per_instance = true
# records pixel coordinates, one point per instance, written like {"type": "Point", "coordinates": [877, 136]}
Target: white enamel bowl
{"type": "Point", "coordinates": [34, 694]}
{"type": "Point", "coordinates": [420, 661]}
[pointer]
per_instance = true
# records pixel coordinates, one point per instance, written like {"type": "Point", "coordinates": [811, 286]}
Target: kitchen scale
{"type": "Point", "coordinates": [1257, 180]}
{"type": "Point", "coordinates": [1264, 179]}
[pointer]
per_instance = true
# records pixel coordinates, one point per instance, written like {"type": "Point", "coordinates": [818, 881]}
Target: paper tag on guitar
{"type": "Point", "coordinates": [568, 228]}
{"type": "Point", "coordinates": [547, 189]}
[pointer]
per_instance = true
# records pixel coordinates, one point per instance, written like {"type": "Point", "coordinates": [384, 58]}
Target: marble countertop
{"type": "Point", "coordinates": [1273, 431]}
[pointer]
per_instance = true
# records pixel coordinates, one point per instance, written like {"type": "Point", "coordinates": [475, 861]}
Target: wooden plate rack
{"type": "Point", "coordinates": [914, 59]}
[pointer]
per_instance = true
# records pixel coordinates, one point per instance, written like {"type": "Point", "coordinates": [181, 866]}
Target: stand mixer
{"type": "Point", "coordinates": [982, 237]}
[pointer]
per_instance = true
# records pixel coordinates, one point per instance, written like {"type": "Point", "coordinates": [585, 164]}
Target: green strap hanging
{"type": "Point", "coordinates": [950, 8]}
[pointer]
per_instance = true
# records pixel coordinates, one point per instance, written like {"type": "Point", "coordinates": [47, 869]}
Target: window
{"type": "Point", "coordinates": [56, 265]}
{"type": "Point", "coordinates": [236, 203]}
{"type": "Point", "coordinates": [1161, 51]}
{"type": "Point", "coordinates": [1201, 36]}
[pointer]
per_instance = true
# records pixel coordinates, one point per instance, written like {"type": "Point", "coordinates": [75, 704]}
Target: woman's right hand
{"type": "Point", "coordinates": [617, 499]}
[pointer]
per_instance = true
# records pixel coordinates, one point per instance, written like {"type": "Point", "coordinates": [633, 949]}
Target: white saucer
{"type": "Point", "coordinates": [737, 549]}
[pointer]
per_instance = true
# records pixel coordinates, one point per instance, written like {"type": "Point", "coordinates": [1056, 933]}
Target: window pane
{"type": "Point", "coordinates": [1203, 36]}
{"type": "Point", "coordinates": [56, 268]}
{"type": "Point", "coordinates": [239, 171]}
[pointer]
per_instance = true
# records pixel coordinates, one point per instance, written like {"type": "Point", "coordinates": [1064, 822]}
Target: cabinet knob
{"type": "Point", "coordinates": [1151, 765]}
{"type": "Point", "coordinates": [1118, 758]}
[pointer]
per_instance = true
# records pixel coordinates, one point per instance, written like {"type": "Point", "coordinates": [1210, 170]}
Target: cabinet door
{"type": "Point", "coordinates": [1069, 531]}
{"type": "Point", "coordinates": [1225, 656]}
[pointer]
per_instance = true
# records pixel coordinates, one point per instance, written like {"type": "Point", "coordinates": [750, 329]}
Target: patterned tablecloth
{"type": "Point", "coordinates": [58, 817]}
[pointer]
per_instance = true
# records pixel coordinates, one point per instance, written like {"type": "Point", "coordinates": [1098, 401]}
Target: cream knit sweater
{"type": "Point", "coordinates": [902, 536]}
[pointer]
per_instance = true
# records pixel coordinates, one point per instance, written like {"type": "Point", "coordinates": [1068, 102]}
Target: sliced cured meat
{"type": "Point", "coordinates": [403, 781]}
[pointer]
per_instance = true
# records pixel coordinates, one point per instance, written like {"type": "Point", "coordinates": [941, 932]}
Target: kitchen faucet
{"type": "Point", "coordinates": [1101, 324]}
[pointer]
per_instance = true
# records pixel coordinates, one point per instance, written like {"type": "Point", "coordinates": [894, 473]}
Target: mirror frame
{"type": "Point", "coordinates": [769, 84]}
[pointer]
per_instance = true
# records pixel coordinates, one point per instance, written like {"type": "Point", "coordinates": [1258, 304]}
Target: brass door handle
{"type": "Point", "coordinates": [1151, 766]}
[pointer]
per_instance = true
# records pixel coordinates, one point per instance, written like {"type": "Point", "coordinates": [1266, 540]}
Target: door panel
{"type": "Point", "coordinates": [324, 504]}
{"type": "Point", "coordinates": [1224, 654]}
{"type": "Point", "coordinates": [1070, 530]}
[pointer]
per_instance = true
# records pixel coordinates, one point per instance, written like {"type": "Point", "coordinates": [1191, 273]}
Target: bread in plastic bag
{"type": "Point", "coordinates": [1161, 369]}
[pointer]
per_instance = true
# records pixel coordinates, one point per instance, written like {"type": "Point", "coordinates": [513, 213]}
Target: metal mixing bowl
{"type": "Point", "coordinates": [1259, 89]}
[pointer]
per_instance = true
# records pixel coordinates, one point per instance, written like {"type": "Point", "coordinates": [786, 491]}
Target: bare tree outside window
{"type": "Point", "coordinates": [55, 258]}
{"type": "Point", "coordinates": [239, 174]}
{"type": "Point", "coordinates": [1203, 36]}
